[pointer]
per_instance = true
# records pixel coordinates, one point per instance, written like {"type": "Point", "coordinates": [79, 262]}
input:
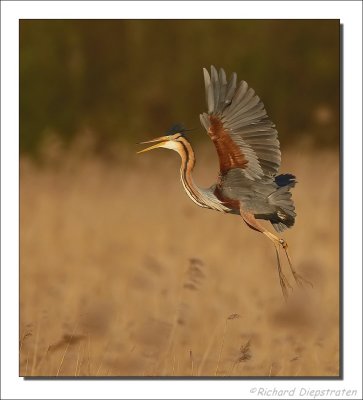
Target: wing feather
{"type": "Point", "coordinates": [215, 86]}
{"type": "Point", "coordinates": [231, 88]}
{"type": "Point", "coordinates": [223, 89]}
{"type": "Point", "coordinates": [239, 127]}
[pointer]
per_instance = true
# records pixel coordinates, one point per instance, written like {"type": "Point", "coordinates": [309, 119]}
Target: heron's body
{"type": "Point", "coordinates": [249, 157]}
{"type": "Point", "coordinates": [234, 191]}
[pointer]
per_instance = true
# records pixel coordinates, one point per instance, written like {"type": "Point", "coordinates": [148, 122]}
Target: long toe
{"type": "Point", "coordinates": [301, 281]}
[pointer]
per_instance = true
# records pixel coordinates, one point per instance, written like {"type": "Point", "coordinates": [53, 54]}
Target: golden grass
{"type": "Point", "coordinates": [122, 275]}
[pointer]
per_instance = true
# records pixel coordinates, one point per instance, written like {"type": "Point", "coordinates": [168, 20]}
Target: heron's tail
{"type": "Point", "coordinates": [281, 198]}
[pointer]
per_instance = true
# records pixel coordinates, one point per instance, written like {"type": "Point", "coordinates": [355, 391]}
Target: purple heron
{"type": "Point", "coordinates": [249, 158]}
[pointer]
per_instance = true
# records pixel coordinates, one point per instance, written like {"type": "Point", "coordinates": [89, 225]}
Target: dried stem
{"type": "Point", "coordinates": [65, 351]}
{"type": "Point", "coordinates": [221, 348]}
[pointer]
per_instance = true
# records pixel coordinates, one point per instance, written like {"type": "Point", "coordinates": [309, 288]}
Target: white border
{"type": "Point", "coordinates": [350, 15]}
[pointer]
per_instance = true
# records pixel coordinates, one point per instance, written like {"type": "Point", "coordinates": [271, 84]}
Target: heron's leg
{"type": "Point", "coordinates": [298, 278]}
{"type": "Point", "coordinates": [251, 221]}
{"type": "Point", "coordinates": [284, 283]}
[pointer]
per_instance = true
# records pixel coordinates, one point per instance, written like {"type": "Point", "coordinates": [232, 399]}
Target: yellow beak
{"type": "Point", "coordinates": [161, 140]}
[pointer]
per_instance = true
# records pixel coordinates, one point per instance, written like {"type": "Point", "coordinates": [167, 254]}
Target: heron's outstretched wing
{"type": "Point", "coordinates": [240, 128]}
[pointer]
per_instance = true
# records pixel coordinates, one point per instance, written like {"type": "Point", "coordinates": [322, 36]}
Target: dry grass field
{"type": "Point", "coordinates": [122, 275]}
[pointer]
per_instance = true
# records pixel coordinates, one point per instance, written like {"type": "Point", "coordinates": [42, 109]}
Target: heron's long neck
{"type": "Point", "coordinates": [188, 161]}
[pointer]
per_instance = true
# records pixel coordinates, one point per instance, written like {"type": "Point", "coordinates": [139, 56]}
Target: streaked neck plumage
{"type": "Point", "coordinates": [186, 153]}
{"type": "Point", "coordinates": [202, 197]}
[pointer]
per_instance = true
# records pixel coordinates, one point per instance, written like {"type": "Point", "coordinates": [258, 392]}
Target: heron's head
{"type": "Point", "coordinates": [172, 140]}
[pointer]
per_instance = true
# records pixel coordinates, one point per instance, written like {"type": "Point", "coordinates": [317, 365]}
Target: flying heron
{"type": "Point", "coordinates": [249, 158]}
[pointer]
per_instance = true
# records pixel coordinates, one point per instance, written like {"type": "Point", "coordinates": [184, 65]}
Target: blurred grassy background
{"type": "Point", "coordinates": [108, 286]}
{"type": "Point", "coordinates": [120, 273]}
{"type": "Point", "coordinates": [122, 79]}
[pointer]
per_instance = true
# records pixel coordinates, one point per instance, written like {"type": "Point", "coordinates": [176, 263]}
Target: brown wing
{"type": "Point", "coordinates": [229, 153]}
{"type": "Point", "coordinates": [239, 127]}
